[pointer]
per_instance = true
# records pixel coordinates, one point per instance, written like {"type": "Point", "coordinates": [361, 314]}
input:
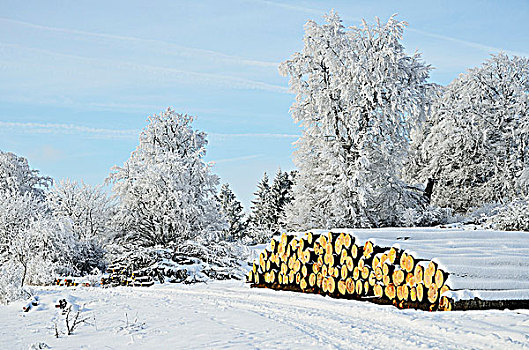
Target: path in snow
{"type": "Point", "coordinates": [232, 315]}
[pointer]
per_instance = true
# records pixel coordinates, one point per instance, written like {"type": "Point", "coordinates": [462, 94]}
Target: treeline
{"type": "Point", "coordinates": [374, 133]}
{"type": "Point", "coordinates": [165, 215]}
{"type": "Point", "coordinates": [48, 230]}
{"type": "Point", "coordinates": [267, 212]}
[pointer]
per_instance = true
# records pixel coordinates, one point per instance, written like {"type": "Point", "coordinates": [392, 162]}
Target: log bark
{"type": "Point", "coordinates": [478, 304]}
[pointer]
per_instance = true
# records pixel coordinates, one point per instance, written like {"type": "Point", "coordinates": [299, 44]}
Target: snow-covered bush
{"type": "Point", "coordinates": [427, 216]}
{"type": "Point", "coordinates": [165, 191]}
{"type": "Point", "coordinates": [189, 262]}
{"type": "Point", "coordinates": [357, 96]}
{"type": "Point", "coordinates": [477, 146]}
{"type": "Point", "coordinates": [85, 212]}
{"type": "Point", "coordinates": [511, 217]}
{"type": "Point", "coordinates": [11, 288]}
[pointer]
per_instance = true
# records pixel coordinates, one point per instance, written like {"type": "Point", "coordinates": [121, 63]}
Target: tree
{"type": "Point", "coordinates": [86, 212]}
{"type": "Point", "coordinates": [280, 196]}
{"type": "Point", "coordinates": [260, 222]}
{"type": "Point", "coordinates": [476, 148]}
{"type": "Point", "coordinates": [21, 198]}
{"type": "Point", "coordinates": [18, 214]}
{"type": "Point", "coordinates": [232, 211]}
{"type": "Point", "coordinates": [33, 246]}
{"type": "Point", "coordinates": [268, 207]}
{"type": "Point", "coordinates": [16, 177]}
{"type": "Point", "coordinates": [165, 190]}
{"type": "Point", "coordinates": [43, 249]}
{"type": "Point", "coordinates": [357, 95]}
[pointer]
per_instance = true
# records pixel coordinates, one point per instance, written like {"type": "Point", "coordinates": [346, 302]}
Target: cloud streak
{"type": "Point", "coordinates": [218, 136]}
{"type": "Point", "coordinates": [474, 45]}
{"type": "Point", "coordinates": [467, 43]}
{"type": "Point", "coordinates": [169, 47]}
{"type": "Point", "coordinates": [70, 129]}
{"type": "Point", "coordinates": [173, 74]}
{"type": "Point", "coordinates": [236, 159]}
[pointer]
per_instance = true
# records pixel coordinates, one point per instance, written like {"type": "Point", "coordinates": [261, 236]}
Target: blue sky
{"type": "Point", "coordinates": [79, 78]}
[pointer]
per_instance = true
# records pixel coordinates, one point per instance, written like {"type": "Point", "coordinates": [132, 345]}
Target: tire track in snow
{"type": "Point", "coordinates": [334, 323]}
{"type": "Point", "coordinates": [311, 321]}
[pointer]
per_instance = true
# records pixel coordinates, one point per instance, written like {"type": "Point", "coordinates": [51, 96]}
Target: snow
{"type": "Point", "coordinates": [492, 265]}
{"type": "Point", "coordinates": [230, 314]}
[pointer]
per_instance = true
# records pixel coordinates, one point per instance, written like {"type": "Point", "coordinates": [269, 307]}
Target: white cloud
{"type": "Point", "coordinates": [162, 73]}
{"type": "Point", "coordinates": [218, 136]}
{"type": "Point", "coordinates": [47, 153]}
{"type": "Point", "coordinates": [475, 45]}
{"type": "Point", "coordinates": [482, 47]}
{"type": "Point", "coordinates": [174, 49]}
{"type": "Point", "coordinates": [67, 129]}
{"type": "Point", "coordinates": [51, 128]}
{"type": "Point", "coordinates": [236, 159]}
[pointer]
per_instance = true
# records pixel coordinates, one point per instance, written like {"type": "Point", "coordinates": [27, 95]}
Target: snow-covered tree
{"type": "Point", "coordinates": [21, 196]}
{"type": "Point", "coordinates": [44, 249]}
{"type": "Point", "coordinates": [260, 221]}
{"type": "Point", "coordinates": [16, 177]}
{"type": "Point", "coordinates": [33, 246]}
{"type": "Point", "coordinates": [476, 149]}
{"type": "Point", "coordinates": [87, 209]}
{"type": "Point", "coordinates": [281, 195]}
{"type": "Point", "coordinates": [268, 207]}
{"type": "Point", "coordinates": [86, 212]}
{"type": "Point", "coordinates": [420, 130]}
{"type": "Point", "coordinates": [232, 211]}
{"type": "Point", "coordinates": [357, 95]}
{"type": "Point", "coordinates": [165, 190]}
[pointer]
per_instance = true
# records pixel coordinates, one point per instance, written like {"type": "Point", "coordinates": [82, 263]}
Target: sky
{"type": "Point", "coordinates": [78, 79]}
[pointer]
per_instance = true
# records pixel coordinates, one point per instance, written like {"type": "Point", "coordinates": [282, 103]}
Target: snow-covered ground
{"type": "Point", "coordinates": [229, 314]}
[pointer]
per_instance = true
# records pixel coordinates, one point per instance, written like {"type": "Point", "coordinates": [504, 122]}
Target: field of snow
{"type": "Point", "coordinates": [229, 314]}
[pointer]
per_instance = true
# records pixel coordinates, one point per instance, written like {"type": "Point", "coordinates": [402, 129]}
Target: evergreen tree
{"type": "Point", "coordinates": [232, 211]}
{"type": "Point", "coordinates": [268, 207]}
{"type": "Point", "coordinates": [260, 222]}
{"type": "Point", "coordinates": [281, 196]}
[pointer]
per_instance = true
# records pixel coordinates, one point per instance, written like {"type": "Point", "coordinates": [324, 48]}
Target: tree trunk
{"type": "Point", "coordinates": [429, 190]}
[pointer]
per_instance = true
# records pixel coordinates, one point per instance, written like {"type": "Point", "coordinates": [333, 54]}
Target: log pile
{"type": "Point", "coordinates": [338, 265]}
{"type": "Point", "coordinates": [72, 282]}
{"type": "Point", "coordinates": [121, 275]}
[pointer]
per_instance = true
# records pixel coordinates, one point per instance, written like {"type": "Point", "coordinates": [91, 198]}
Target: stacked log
{"type": "Point", "coordinates": [121, 275]}
{"type": "Point", "coordinates": [340, 266]}
{"type": "Point", "coordinates": [72, 282]}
